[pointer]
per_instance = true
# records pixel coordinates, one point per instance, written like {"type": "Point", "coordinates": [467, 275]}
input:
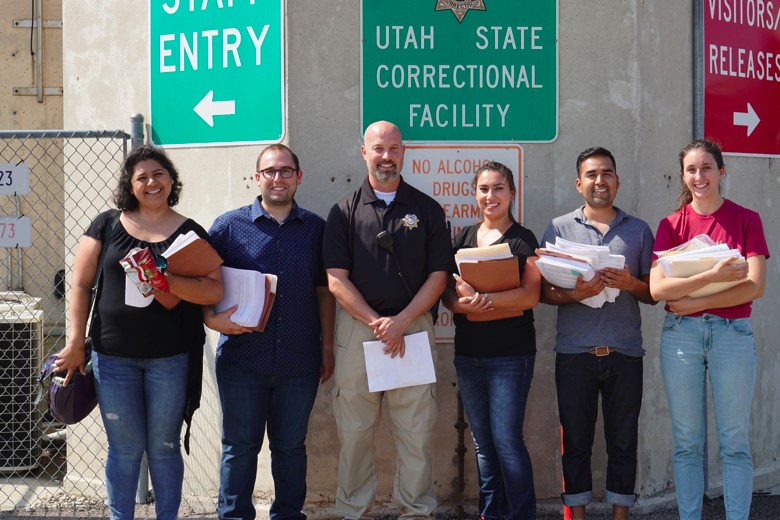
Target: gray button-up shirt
{"type": "Point", "coordinates": [618, 324]}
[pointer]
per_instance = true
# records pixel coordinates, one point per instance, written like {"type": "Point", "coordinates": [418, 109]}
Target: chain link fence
{"type": "Point", "coordinates": [47, 469]}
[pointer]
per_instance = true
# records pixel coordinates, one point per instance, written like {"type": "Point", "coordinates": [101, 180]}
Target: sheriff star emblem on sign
{"type": "Point", "coordinates": [411, 221]}
{"type": "Point", "coordinates": [460, 7]}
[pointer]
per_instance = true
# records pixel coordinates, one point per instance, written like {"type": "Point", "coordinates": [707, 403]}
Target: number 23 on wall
{"type": "Point", "coordinates": [14, 179]}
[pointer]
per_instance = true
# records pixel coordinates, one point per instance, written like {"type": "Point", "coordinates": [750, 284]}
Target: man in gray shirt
{"type": "Point", "coordinates": [599, 351]}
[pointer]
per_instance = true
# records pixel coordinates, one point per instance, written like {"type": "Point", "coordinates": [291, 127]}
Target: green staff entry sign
{"type": "Point", "coordinates": [461, 70]}
{"type": "Point", "coordinates": [216, 72]}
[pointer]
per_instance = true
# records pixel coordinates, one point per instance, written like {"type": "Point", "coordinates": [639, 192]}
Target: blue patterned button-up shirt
{"type": "Point", "coordinates": [249, 238]}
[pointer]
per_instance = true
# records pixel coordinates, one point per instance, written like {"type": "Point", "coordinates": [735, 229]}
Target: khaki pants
{"type": "Point", "coordinates": [357, 412]}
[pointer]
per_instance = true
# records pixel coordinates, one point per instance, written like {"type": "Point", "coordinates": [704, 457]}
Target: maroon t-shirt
{"type": "Point", "coordinates": [738, 227]}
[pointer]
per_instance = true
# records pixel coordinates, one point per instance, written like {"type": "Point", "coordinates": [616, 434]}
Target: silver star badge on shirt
{"type": "Point", "coordinates": [411, 221]}
{"type": "Point", "coordinates": [460, 7]}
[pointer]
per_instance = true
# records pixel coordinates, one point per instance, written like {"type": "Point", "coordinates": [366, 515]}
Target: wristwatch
{"type": "Point", "coordinates": [161, 262]}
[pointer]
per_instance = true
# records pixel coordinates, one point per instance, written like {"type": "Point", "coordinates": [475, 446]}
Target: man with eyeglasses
{"type": "Point", "coordinates": [386, 286]}
{"type": "Point", "coordinates": [268, 380]}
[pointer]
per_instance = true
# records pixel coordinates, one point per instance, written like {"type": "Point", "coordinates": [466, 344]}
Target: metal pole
{"type": "Point", "coordinates": [19, 272]}
{"type": "Point", "coordinates": [136, 130]}
{"type": "Point", "coordinates": [9, 273]}
{"type": "Point", "coordinates": [698, 69]}
{"type": "Point", "coordinates": [698, 133]}
{"type": "Point", "coordinates": [38, 51]}
{"type": "Point", "coordinates": [460, 453]}
{"type": "Point", "coordinates": [136, 140]}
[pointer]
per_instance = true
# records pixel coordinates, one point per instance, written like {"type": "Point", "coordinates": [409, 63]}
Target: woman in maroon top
{"type": "Point", "coordinates": [710, 334]}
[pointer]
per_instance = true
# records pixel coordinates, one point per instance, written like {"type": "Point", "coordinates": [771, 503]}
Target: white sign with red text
{"type": "Point", "coordinates": [742, 76]}
{"type": "Point", "coordinates": [15, 232]}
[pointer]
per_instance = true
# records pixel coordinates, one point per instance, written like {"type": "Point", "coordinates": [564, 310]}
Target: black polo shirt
{"type": "Point", "coordinates": [421, 243]}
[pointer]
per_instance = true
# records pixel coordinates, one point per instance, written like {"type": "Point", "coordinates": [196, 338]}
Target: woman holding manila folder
{"type": "Point", "coordinates": [710, 335]}
{"type": "Point", "coordinates": [147, 348]}
{"type": "Point", "coordinates": [495, 348]}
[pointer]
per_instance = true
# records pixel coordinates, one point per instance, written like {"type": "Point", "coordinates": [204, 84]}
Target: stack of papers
{"type": "Point", "coordinates": [180, 242]}
{"type": "Point", "coordinates": [562, 262]}
{"type": "Point", "coordinates": [252, 291]}
{"type": "Point", "coordinates": [697, 242]}
{"type": "Point", "coordinates": [696, 258]}
{"type": "Point", "coordinates": [480, 254]}
{"type": "Point", "coordinates": [190, 255]}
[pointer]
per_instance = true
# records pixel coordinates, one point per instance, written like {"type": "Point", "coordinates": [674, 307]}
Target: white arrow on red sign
{"type": "Point", "coordinates": [207, 108]}
{"type": "Point", "coordinates": [749, 119]}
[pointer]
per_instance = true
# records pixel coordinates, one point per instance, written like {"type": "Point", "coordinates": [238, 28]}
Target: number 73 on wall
{"type": "Point", "coordinates": [15, 232]}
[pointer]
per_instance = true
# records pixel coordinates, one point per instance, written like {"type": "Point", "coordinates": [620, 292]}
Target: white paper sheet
{"type": "Point", "coordinates": [246, 289]}
{"type": "Point", "coordinates": [180, 242]}
{"type": "Point", "coordinates": [697, 260]}
{"type": "Point", "coordinates": [386, 373]}
{"type": "Point", "coordinates": [563, 272]}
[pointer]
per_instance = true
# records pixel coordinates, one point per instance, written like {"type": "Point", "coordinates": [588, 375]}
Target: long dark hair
{"type": "Point", "coordinates": [506, 173]}
{"type": "Point", "coordinates": [709, 146]}
{"type": "Point", "coordinates": [123, 195]}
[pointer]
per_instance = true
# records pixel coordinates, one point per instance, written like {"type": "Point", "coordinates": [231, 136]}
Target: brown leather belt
{"type": "Point", "coordinates": [601, 351]}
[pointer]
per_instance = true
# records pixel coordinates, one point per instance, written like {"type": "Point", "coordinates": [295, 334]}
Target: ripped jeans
{"type": "Point", "coordinates": [142, 405]}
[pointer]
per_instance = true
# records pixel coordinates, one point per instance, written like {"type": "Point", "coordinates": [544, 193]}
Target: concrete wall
{"type": "Point", "coordinates": [16, 61]}
{"type": "Point", "coordinates": [625, 83]}
{"type": "Point", "coordinates": [44, 205]}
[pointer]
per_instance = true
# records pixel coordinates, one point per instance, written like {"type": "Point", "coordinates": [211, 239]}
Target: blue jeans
{"type": "Point", "coordinates": [142, 406]}
{"type": "Point", "coordinates": [495, 392]}
{"type": "Point", "coordinates": [691, 347]}
{"type": "Point", "coordinates": [251, 404]}
{"type": "Point", "coordinates": [579, 379]}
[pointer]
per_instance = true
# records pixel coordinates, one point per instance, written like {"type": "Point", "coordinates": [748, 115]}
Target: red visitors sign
{"type": "Point", "coordinates": [742, 75]}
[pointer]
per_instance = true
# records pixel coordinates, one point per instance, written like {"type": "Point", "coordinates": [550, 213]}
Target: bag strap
{"type": "Point", "coordinates": [108, 231]}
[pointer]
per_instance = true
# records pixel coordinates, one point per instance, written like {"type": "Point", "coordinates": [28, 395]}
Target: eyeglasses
{"type": "Point", "coordinates": [285, 173]}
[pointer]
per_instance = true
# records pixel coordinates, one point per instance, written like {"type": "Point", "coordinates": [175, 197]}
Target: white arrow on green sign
{"type": "Point", "coordinates": [217, 72]}
{"type": "Point", "coordinates": [462, 70]}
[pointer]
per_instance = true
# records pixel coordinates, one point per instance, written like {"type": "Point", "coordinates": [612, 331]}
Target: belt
{"type": "Point", "coordinates": [601, 351]}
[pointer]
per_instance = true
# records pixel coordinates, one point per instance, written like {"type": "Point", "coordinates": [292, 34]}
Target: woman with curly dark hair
{"type": "Point", "coordinates": [146, 355]}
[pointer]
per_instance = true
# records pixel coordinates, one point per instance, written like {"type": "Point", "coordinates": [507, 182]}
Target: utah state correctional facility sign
{"type": "Point", "coordinates": [461, 70]}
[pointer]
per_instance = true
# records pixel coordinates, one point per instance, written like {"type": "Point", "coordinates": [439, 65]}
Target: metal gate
{"type": "Point", "coordinates": [52, 183]}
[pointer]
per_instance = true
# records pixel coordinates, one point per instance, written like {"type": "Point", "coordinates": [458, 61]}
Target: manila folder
{"type": "Point", "coordinates": [197, 258]}
{"type": "Point", "coordinates": [492, 275]}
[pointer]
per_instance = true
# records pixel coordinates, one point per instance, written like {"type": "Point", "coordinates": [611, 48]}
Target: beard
{"type": "Point", "coordinates": [385, 176]}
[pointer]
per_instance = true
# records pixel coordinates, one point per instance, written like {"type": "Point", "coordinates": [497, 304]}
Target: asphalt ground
{"type": "Point", "coordinates": [765, 506]}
